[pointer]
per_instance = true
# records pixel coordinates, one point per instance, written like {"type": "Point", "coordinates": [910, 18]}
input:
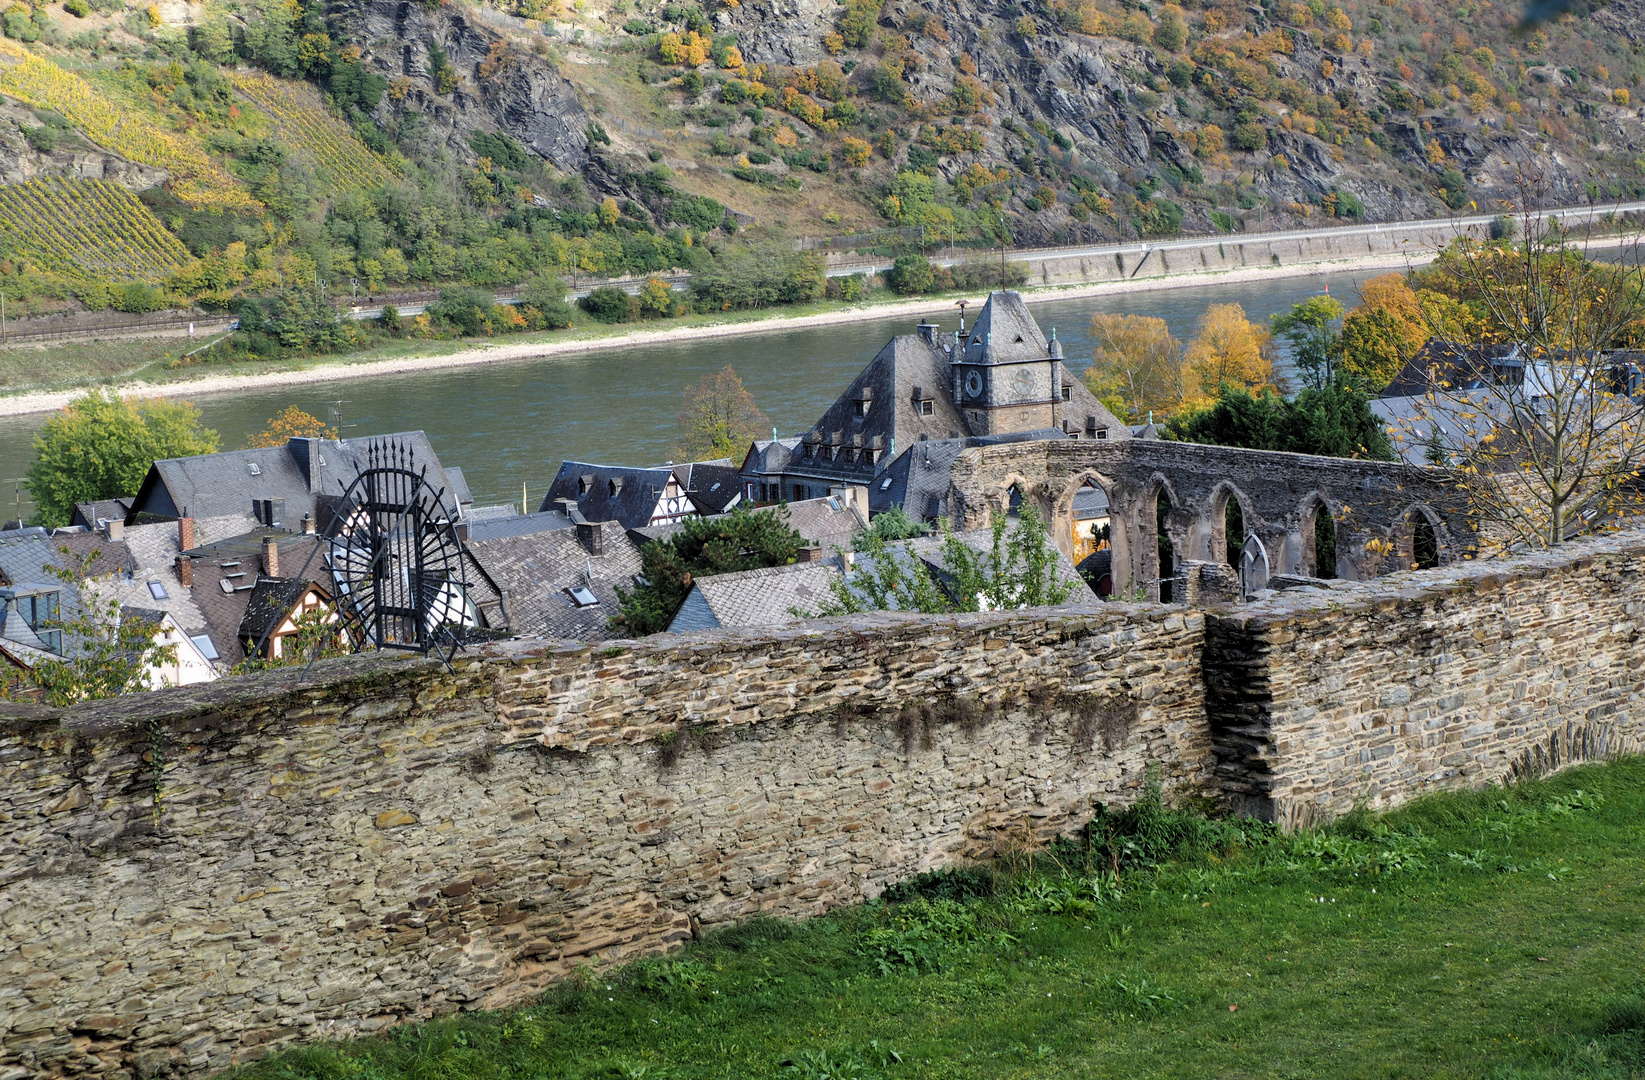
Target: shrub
{"type": "Point", "coordinates": [139, 298]}
{"type": "Point", "coordinates": [1160, 217]}
{"type": "Point", "coordinates": [42, 138]}
{"type": "Point", "coordinates": [962, 884]}
{"type": "Point", "coordinates": [78, 8]}
{"type": "Point", "coordinates": [1249, 136]}
{"type": "Point", "coordinates": [464, 309]}
{"type": "Point", "coordinates": [912, 274]}
{"type": "Point", "coordinates": [607, 304]}
{"type": "Point", "coordinates": [1503, 227]}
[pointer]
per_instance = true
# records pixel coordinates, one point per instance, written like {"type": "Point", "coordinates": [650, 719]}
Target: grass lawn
{"type": "Point", "coordinates": [1496, 934]}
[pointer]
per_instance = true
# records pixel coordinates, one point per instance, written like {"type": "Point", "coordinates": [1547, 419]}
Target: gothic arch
{"type": "Point", "coordinates": [998, 499]}
{"type": "Point", "coordinates": [1318, 553]}
{"type": "Point", "coordinates": [1222, 547]}
{"type": "Point", "coordinates": [1420, 539]}
{"type": "Point", "coordinates": [1158, 549]}
{"type": "Point", "coordinates": [1061, 521]}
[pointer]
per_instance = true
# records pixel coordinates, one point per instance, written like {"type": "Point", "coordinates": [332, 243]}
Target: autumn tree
{"type": "Point", "coordinates": [291, 423]}
{"type": "Point", "coordinates": [1230, 349]}
{"type": "Point", "coordinates": [1311, 328]}
{"type": "Point", "coordinates": [1551, 443]}
{"type": "Point", "coordinates": [1138, 366]}
{"type": "Point", "coordinates": [719, 418]}
{"type": "Point", "coordinates": [101, 446]}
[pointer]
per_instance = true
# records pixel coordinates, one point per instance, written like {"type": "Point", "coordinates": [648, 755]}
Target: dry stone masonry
{"type": "Point", "coordinates": [191, 878]}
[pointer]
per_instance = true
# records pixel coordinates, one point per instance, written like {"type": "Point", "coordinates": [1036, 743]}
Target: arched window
{"type": "Point", "coordinates": [1325, 543]}
{"type": "Point", "coordinates": [1424, 544]}
{"type": "Point", "coordinates": [1233, 530]}
{"type": "Point", "coordinates": [1167, 553]}
{"type": "Point", "coordinates": [1013, 505]}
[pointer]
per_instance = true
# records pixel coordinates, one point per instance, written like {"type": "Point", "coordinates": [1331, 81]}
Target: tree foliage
{"type": "Point", "coordinates": [1017, 569]}
{"type": "Point", "coordinates": [1311, 328]}
{"type": "Point", "coordinates": [291, 423]}
{"type": "Point", "coordinates": [101, 446]}
{"type": "Point", "coordinates": [1138, 366]}
{"type": "Point", "coordinates": [1332, 421]}
{"type": "Point", "coordinates": [1557, 449]}
{"type": "Point", "coordinates": [719, 418]}
{"type": "Point", "coordinates": [745, 539]}
{"type": "Point", "coordinates": [1229, 348]}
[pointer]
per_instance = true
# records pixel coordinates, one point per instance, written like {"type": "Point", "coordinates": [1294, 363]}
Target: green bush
{"type": "Point", "coordinates": [42, 138]}
{"type": "Point", "coordinates": [1160, 217]}
{"type": "Point", "coordinates": [464, 309]}
{"type": "Point", "coordinates": [1249, 136]}
{"type": "Point", "coordinates": [607, 304]}
{"type": "Point", "coordinates": [139, 298]}
{"type": "Point", "coordinates": [912, 274]}
{"type": "Point", "coordinates": [78, 8]}
{"type": "Point", "coordinates": [958, 883]}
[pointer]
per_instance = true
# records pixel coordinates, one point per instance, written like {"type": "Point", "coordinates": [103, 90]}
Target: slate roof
{"type": "Point", "coordinates": [769, 457]}
{"type": "Point", "coordinates": [918, 480]}
{"type": "Point", "coordinates": [239, 561]}
{"type": "Point", "coordinates": [1464, 366]}
{"type": "Point", "coordinates": [90, 514]}
{"type": "Point", "coordinates": [1005, 332]}
{"type": "Point", "coordinates": [714, 486]}
{"type": "Point", "coordinates": [268, 603]}
{"type": "Point", "coordinates": [308, 474]}
{"type": "Point", "coordinates": [535, 571]}
{"type": "Point", "coordinates": [632, 503]}
{"type": "Point", "coordinates": [831, 522]}
{"type": "Point", "coordinates": [497, 528]}
{"type": "Point", "coordinates": [760, 597]}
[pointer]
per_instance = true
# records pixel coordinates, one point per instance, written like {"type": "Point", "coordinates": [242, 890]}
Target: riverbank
{"type": "Point", "coordinates": [432, 355]}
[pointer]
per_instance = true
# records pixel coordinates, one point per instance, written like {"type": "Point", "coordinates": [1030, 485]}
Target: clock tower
{"type": "Point", "coordinates": [1006, 376]}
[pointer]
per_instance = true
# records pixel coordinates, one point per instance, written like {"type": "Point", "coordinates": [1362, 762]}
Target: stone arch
{"type": "Point", "coordinates": [1318, 554]}
{"type": "Point", "coordinates": [1227, 501]}
{"type": "Point", "coordinates": [1158, 549]}
{"type": "Point", "coordinates": [1062, 523]}
{"type": "Point", "coordinates": [998, 497]}
{"type": "Point", "coordinates": [1420, 538]}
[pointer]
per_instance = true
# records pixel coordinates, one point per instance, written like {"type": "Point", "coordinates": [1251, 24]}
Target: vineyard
{"type": "Point", "coordinates": [85, 229]}
{"type": "Point", "coordinates": [196, 179]}
{"type": "Point", "coordinates": [340, 159]}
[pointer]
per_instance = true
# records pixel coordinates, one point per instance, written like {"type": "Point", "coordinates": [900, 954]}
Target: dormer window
{"type": "Point", "coordinates": [927, 407]}
{"type": "Point", "coordinates": [864, 398]}
{"type": "Point", "coordinates": [614, 485]}
{"type": "Point", "coordinates": [584, 484]}
{"type": "Point", "coordinates": [1067, 391]}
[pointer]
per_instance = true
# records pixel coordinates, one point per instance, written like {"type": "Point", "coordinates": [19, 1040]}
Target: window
{"type": "Point", "coordinates": [1067, 391]}
{"type": "Point", "coordinates": [254, 469]}
{"type": "Point", "coordinates": [583, 484]}
{"type": "Point", "coordinates": [862, 408]}
{"type": "Point", "coordinates": [1102, 433]}
{"type": "Point", "coordinates": [582, 596]}
{"type": "Point", "coordinates": [885, 485]}
{"type": "Point", "coordinates": [157, 589]}
{"type": "Point", "coordinates": [926, 408]}
{"type": "Point", "coordinates": [203, 643]}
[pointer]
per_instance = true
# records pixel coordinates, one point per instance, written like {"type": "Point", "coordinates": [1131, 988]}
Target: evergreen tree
{"type": "Point", "coordinates": [744, 539]}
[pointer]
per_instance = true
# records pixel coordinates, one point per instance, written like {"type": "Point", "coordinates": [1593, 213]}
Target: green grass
{"type": "Point", "coordinates": [1496, 934]}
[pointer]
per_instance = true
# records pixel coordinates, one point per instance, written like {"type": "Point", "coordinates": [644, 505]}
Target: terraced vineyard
{"type": "Point", "coordinates": [339, 158]}
{"type": "Point", "coordinates": [83, 229]}
{"type": "Point", "coordinates": [197, 180]}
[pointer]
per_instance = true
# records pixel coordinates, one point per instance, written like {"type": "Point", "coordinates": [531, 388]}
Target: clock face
{"type": "Point", "coordinates": [973, 384]}
{"type": "Point", "coordinates": [1025, 382]}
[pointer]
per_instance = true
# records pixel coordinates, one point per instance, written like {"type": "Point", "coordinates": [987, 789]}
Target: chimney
{"type": "Point", "coordinates": [115, 528]}
{"type": "Point", "coordinates": [185, 571]}
{"type": "Point", "coordinates": [307, 525]}
{"type": "Point", "coordinates": [185, 534]}
{"type": "Point", "coordinates": [591, 537]}
{"type": "Point", "coordinates": [271, 557]}
{"type": "Point", "coordinates": [306, 452]}
{"type": "Point", "coordinates": [811, 554]}
{"type": "Point", "coordinates": [927, 331]}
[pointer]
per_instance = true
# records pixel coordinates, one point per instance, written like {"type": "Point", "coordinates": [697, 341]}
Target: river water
{"type": "Point", "coordinates": [511, 423]}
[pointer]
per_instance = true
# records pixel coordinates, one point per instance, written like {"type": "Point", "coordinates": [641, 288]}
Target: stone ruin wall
{"type": "Point", "coordinates": [389, 841]}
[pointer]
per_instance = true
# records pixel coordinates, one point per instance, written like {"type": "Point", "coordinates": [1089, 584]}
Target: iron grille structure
{"type": "Point", "coordinates": [396, 559]}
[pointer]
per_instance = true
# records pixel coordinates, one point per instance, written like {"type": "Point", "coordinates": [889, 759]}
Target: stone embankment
{"type": "Point", "coordinates": [191, 878]}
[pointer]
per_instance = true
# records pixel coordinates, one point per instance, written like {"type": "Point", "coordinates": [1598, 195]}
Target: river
{"type": "Point", "coordinates": [511, 423]}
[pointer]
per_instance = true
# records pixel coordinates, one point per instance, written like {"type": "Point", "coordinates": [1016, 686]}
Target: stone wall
{"type": "Point", "coordinates": [192, 877]}
{"type": "Point", "coordinates": [389, 841]}
{"type": "Point", "coordinates": [1382, 691]}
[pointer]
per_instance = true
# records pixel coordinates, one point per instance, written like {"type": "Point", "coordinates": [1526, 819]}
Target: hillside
{"type": "Point", "coordinates": [371, 145]}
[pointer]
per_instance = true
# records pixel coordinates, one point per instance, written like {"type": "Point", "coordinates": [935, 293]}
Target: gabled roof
{"type": "Point", "coordinates": [91, 514]}
{"type": "Point", "coordinates": [1005, 332]}
{"type": "Point", "coordinates": [714, 486]}
{"type": "Point", "coordinates": [768, 457]}
{"type": "Point", "coordinates": [497, 528]}
{"type": "Point", "coordinates": [609, 492]}
{"type": "Point", "coordinates": [759, 597]}
{"type": "Point", "coordinates": [1464, 366]}
{"type": "Point", "coordinates": [537, 571]}
{"type": "Point", "coordinates": [270, 601]}
{"type": "Point", "coordinates": [304, 473]}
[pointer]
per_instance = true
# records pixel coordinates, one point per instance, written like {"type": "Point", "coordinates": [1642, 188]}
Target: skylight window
{"type": "Point", "coordinates": [203, 643]}
{"type": "Point", "coordinates": [582, 596]}
{"type": "Point", "coordinates": [254, 469]}
{"type": "Point", "coordinates": [157, 589]}
{"type": "Point", "coordinates": [885, 485]}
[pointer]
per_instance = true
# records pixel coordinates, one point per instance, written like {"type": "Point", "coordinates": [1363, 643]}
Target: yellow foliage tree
{"type": "Point", "coordinates": [1138, 366]}
{"type": "Point", "coordinates": [291, 423]}
{"type": "Point", "coordinates": [1229, 348]}
{"type": "Point", "coordinates": [609, 212]}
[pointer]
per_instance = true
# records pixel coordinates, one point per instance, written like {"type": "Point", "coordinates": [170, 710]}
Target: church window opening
{"type": "Point", "coordinates": [1424, 544]}
{"type": "Point", "coordinates": [1233, 530]}
{"type": "Point", "coordinates": [1325, 543]}
{"type": "Point", "coordinates": [1167, 553]}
